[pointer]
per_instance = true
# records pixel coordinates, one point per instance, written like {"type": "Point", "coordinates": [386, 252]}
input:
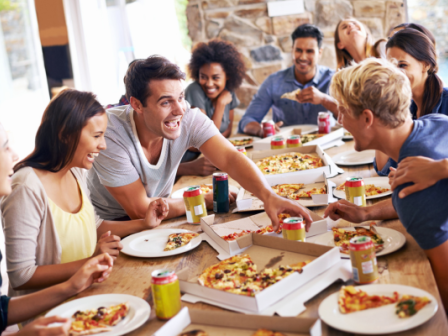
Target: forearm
{"type": "Point", "coordinates": [381, 160]}
{"type": "Point", "coordinates": [381, 211]}
{"type": "Point", "coordinates": [330, 104]}
{"type": "Point", "coordinates": [253, 128]}
{"type": "Point", "coordinates": [25, 307]}
{"type": "Point", "coordinates": [121, 229]}
{"type": "Point", "coordinates": [442, 169]}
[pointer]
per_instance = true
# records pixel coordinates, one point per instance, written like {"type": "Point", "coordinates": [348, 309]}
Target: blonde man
{"type": "Point", "coordinates": [374, 98]}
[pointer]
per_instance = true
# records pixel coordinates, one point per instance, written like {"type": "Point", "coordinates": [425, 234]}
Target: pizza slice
{"type": "Point", "coordinates": [342, 238]}
{"type": "Point", "coordinates": [371, 189]}
{"type": "Point", "coordinates": [176, 240]}
{"type": "Point", "coordinates": [291, 95]}
{"type": "Point", "coordinates": [371, 232]}
{"type": "Point", "coordinates": [195, 332]}
{"type": "Point", "coordinates": [341, 187]}
{"type": "Point", "coordinates": [241, 142]}
{"type": "Point", "coordinates": [352, 299]}
{"type": "Point", "coordinates": [409, 305]}
{"type": "Point", "coordinates": [308, 193]}
{"type": "Point", "coordinates": [235, 235]}
{"type": "Point", "coordinates": [206, 188]}
{"type": "Point", "coordinates": [266, 332]}
{"type": "Point", "coordinates": [286, 190]}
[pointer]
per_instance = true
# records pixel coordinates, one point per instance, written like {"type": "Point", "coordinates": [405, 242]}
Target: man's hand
{"type": "Point", "coordinates": [108, 244]}
{"type": "Point", "coordinates": [209, 199]}
{"type": "Point", "coordinates": [224, 98]}
{"type": "Point", "coordinates": [346, 210]}
{"type": "Point", "coordinates": [40, 327]}
{"type": "Point", "coordinates": [96, 269]}
{"type": "Point", "coordinates": [311, 95]}
{"type": "Point", "coordinates": [423, 172]}
{"type": "Point", "coordinates": [200, 167]}
{"type": "Point", "coordinates": [157, 211]}
{"type": "Point", "coordinates": [276, 205]}
{"type": "Point", "coordinates": [277, 126]}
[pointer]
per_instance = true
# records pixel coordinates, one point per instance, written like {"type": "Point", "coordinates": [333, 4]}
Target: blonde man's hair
{"type": "Point", "coordinates": [376, 85]}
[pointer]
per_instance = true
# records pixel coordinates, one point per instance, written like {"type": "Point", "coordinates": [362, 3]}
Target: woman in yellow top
{"type": "Point", "coordinates": [50, 225]}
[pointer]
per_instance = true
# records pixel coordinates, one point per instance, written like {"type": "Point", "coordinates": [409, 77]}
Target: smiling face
{"type": "Point", "coordinates": [91, 142]}
{"type": "Point", "coordinates": [416, 71]}
{"type": "Point", "coordinates": [306, 54]}
{"type": "Point", "coordinates": [7, 159]}
{"type": "Point", "coordinates": [351, 32]}
{"type": "Point", "coordinates": [212, 79]}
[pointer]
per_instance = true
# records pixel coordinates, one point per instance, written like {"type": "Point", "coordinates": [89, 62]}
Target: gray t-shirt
{"type": "Point", "coordinates": [197, 98]}
{"type": "Point", "coordinates": [123, 162]}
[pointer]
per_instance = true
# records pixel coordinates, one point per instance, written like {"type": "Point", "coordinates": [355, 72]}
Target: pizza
{"type": "Point", "coordinates": [206, 188]}
{"type": "Point", "coordinates": [238, 275]}
{"type": "Point", "coordinates": [265, 332]}
{"type": "Point", "coordinates": [287, 163]}
{"type": "Point", "coordinates": [342, 238]}
{"type": "Point", "coordinates": [176, 240]}
{"type": "Point", "coordinates": [371, 189]}
{"type": "Point", "coordinates": [353, 299]}
{"type": "Point", "coordinates": [291, 95]}
{"type": "Point", "coordinates": [409, 305]}
{"type": "Point", "coordinates": [310, 137]}
{"type": "Point", "coordinates": [313, 191]}
{"type": "Point", "coordinates": [288, 189]}
{"type": "Point", "coordinates": [241, 142]}
{"type": "Point", "coordinates": [98, 320]}
{"type": "Point", "coordinates": [195, 332]}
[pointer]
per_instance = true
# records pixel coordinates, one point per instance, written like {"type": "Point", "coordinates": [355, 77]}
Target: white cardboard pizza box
{"type": "Point", "coordinates": [329, 167]}
{"type": "Point", "coordinates": [221, 323]}
{"type": "Point", "coordinates": [246, 202]}
{"type": "Point", "coordinates": [336, 134]}
{"type": "Point", "coordinates": [267, 252]}
{"type": "Point", "coordinates": [230, 248]}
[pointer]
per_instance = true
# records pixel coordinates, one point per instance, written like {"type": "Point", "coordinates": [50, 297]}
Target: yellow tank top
{"type": "Point", "coordinates": [76, 232]}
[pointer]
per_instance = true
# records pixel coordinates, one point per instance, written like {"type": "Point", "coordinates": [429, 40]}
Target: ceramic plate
{"type": "Point", "coordinates": [139, 310]}
{"type": "Point", "coordinates": [376, 181]}
{"type": "Point", "coordinates": [150, 244]}
{"type": "Point", "coordinates": [354, 158]}
{"type": "Point", "coordinates": [393, 240]}
{"type": "Point", "coordinates": [180, 193]}
{"type": "Point", "coordinates": [376, 321]}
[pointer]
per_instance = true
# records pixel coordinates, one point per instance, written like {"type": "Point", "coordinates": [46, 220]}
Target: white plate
{"type": "Point", "coordinates": [180, 193]}
{"type": "Point", "coordinates": [246, 137]}
{"type": "Point", "coordinates": [354, 158]}
{"type": "Point", "coordinates": [393, 240]}
{"type": "Point", "coordinates": [382, 182]}
{"type": "Point", "coordinates": [150, 244]}
{"type": "Point", "coordinates": [139, 310]}
{"type": "Point", "coordinates": [376, 321]}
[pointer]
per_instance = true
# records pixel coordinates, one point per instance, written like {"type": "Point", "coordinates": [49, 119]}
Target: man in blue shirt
{"type": "Point", "coordinates": [313, 80]}
{"type": "Point", "coordinates": [374, 98]}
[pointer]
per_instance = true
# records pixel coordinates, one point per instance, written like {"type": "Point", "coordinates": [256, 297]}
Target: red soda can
{"type": "Point", "coordinates": [268, 128]}
{"type": "Point", "coordinates": [323, 120]}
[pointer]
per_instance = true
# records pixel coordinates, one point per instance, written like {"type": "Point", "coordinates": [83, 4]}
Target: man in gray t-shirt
{"type": "Point", "coordinates": [146, 141]}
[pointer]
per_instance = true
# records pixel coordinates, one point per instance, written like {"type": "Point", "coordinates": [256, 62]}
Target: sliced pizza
{"type": "Point", "coordinates": [266, 332]}
{"type": "Point", "coordinates": [241, 142]}
{"type": "Point", "coordinates": [353, 299]}
{"type": "Point", "coordinates": [291, 95]}
{"type": "Point", "coordinates": [342, 237]}
{"type": "Point", "coordinates": [308, 193]}
{"type": "Point", "coordinates": [288, 189]}
{"type": "Point", "coordinates": [409, 305]}
{"type": "Point", "coordinates": [289, 162]}
{"type": "Point", "coordinates": [176, 240]}
{"type": "Point", "coordinates": [206, 188]}
{"type": "Point", "coordinates": [310, 137]}
{"type": "Point", "coordinates": [195, 332]}
{"type": "Point", "coordinates": [371, 189]}
{"type": "Point", "coordinates": [235, 235]}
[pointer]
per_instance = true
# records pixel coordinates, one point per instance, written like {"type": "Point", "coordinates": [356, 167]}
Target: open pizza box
{"type": "Point", "coordinates": [246, 201]}
{"type": "Point", "coordinates": [329, 167]}
{"type": "Point", "coordinates": [266, 252]}
{"type": "Point", "coordinates": [335, 136]}
{"type": "Point", "coordinates": [221, 323]}
{"type": "Point", "coordinates": [215, 231]}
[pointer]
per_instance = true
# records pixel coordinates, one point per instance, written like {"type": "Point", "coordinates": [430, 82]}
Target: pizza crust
{"type": "Point", "coordinates": [291, 95]}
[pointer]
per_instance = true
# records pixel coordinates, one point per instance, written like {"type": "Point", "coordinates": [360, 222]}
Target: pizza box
{"type": "Point", "coordinates": [222, 323]}
{"type": "Point", "coordinates": [255, 222]}
{"type": "Point", "coordinates": [246, 201]}
{"type": "Point", "coordinates": [336, 134]}
{"type": "Point", "coordinates": [329, 168]}
{"type": "Point", "coordinates": [267, 252]}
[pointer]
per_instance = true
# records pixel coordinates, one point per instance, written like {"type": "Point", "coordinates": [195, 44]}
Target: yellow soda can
{"type": "Point", "coordinates": [165, 293]}
{"type": "Point", "coordinates": [278, 142]}
{"type": "Point", "coordinates": [355, 191]}
{"type": "Point", "coordinates": [294, 229]}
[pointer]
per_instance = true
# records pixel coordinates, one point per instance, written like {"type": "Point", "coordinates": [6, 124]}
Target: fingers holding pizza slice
{"type": "Point", "coordinates": [291, 95]}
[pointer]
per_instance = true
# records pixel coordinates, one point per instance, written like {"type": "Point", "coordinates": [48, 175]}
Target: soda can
{"type": "Point", "coordinates": [278, 142]}
{"type": "Point", "coordinates": [363, 258]}
{"type": "Point", "coordinates": [323, 120]}
{"type": "Point", "coordinates": [220, 193]}
{"type": "Point", "coordinates": [294, 229]}
{"type": "Point", "coordinates": [293, 141]}
{"type": "Point", "coordinates": [268, 128]}
{"type": "Point", "coordinates": [165, 293]}
{"type": "Point", "coordinates": [242, 149]}
{"type": "Point", "coordinates": [194, 204]}
{"type": "Point", "coordinates": [355, 191]}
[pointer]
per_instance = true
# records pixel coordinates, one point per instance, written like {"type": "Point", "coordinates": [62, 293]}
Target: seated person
{"type": "Point", "coordinates": [22, 308]}
{"type": "Point", "coordinates": [305, 74]}
{"type": "Point", "coordinates": [374, 98]}
{"type": "Point", "coordinates": [58, 232]}
{"type": "Point", "coordinates": [147, 139]}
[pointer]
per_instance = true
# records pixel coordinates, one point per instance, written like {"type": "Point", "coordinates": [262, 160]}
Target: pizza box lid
{"type": "Point", "coordinates": [267, 252]}
{"type": "Point", "coordinates": [221, 323]}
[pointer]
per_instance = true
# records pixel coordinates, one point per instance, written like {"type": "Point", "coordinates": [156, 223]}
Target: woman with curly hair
{"type": "Point", "coordinates": [218, 70]}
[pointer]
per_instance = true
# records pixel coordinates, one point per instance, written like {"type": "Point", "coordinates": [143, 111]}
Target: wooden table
{"type": "Point", "coordinates": [408, 266]}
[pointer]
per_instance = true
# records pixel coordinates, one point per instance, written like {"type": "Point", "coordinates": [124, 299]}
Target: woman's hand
{"type": "Point", "coordinates": [108, 244]}
{"type": "Point", "coordinates": [157, 211]}
{"type": "Point", "coordinates": [224, 98]}
{"type": "Point", "coordinates": [40, 327]}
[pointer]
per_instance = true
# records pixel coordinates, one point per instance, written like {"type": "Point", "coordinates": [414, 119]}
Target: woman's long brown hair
{"type": "Point", "coordinates": [420, 47]}
{"type": "Point", "coordinates": [58, 135]}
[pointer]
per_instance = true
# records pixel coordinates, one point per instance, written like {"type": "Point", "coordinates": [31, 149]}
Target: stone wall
{"type": "Point", "coordinates": [265, 42]}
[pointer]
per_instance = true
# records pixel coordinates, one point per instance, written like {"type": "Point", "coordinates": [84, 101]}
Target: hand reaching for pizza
{"type": "Point", "coordinates": [346, 210]}
{"type": "Point", "coordinates": [157, 211]}
{"type": "Point", "coordinates": [41, 327]}
{"type": "Point", "coordinates": [276, 205]}
{"type": "Point", "coordinates": [108, 243]}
